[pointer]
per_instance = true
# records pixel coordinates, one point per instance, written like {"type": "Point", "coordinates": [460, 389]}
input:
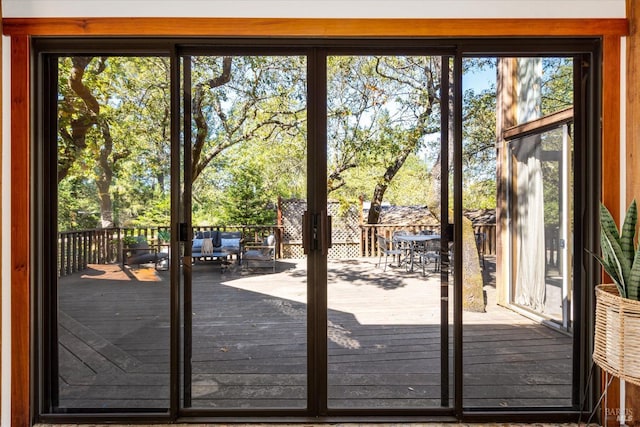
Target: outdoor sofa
{"type": "Point", "coordinates": [214, 244]}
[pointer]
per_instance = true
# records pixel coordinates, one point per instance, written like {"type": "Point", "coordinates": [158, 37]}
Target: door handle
{"type": "Point", "coordinates": [325, 232]}
{"type": "Point", "coordinates": [307, 238]}
{"type": "Point", "coordinates": [183, 232]}
{"type": "Point", "coordinates": [316, 232]}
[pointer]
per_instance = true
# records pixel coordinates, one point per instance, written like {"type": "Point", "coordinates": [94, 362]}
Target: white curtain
{"type": "Point", "coordinates": [530, 272]}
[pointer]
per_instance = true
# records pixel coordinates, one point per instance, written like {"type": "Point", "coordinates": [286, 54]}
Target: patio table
{"type": "Point", "coordinates": [413, 241]}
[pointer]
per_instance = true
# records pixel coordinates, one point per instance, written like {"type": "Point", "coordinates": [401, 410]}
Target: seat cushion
{"type": "Point", "coordinates": [230, 244]}
{"type": "Point", "coordinates": [214, 235]}
{"type": "Point", "coordinates": [257, 255]}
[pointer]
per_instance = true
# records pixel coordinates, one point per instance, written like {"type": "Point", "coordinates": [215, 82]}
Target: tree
{"type": "Point", "coordinates": [384, 115]}
{"type": "Point", "coordinates": [557, 84]}
{"type": "Point", "coordinates": [479, 149]}
{"type": "Point", "coordinates": [113, 121]}
{"type": "Point", "coordinates": [84, 114]}
{"type": "Point", "coordinates": [243, 99]}
{"type": "Point", "coordinates": [246, 200]}
{"type": "Point", "coordinates": [78, 197]}
{"type": "Point", "coordinates": [380, 111]}
{"type": "Point", "coordinates": [249, 112]}
{"type": "Point", "coordinates": [77, 112]}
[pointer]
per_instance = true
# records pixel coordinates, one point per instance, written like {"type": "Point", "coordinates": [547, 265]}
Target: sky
{"type": "Point", "coordinates": [479, 80]}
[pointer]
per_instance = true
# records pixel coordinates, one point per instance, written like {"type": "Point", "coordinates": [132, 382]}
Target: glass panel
{"type": "Point", "coordinates": [545, 156]}
{"type": "Point", "coordinates": [247, 343]}
{"type": "Point", "coordinates": [385, 340]}
{"type": "Point", "coordinates": [516, 262]}
{"type": "Point", "coordinates": [113, 241]}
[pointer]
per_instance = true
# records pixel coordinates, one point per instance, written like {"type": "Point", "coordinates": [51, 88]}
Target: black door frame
{"type": "Point", "coordinates": [586, 198]}
{"type": "Point", "coordinates": [317, 357]}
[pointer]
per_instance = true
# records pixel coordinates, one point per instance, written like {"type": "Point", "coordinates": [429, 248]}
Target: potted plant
{"type": "Point", "coordinates": [617, 333]}
{"type": "Point", "coordinates": [129, 240]}
{"type": "Point", "coordinates": [131, 243]}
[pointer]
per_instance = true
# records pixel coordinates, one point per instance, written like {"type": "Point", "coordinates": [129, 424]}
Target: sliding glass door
{"type": "Point", "coordinates": [273, 240]}
{"type": "Point", "coordinates": [388, 307]}
{"type": "Point", "coordinates": [108, 290]}
{"type": "Point", "coordinates": [244, 341]}
{"type": "Point", "coordinates": [309, 229]}
{"type": "Point", "coordinates": [518, 344]}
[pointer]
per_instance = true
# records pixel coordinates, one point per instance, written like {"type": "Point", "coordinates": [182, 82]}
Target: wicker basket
{"type": "Point", "coordinates": [617, 335]}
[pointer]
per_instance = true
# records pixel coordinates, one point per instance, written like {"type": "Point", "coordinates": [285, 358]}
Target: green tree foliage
{"type": "Point", "coordinates": [77, 199]}
{"type": "Point", "coordinates": [246, 200]}
{"type": "Point", "coordinates": [113, 121]}
{"type": "Point", "coordinates": [479, 134]}
{"type": "Point", "coordinates": [249, 114]}
{"type": "Point", "coordinates": [249, 131]}
{"type": "Point", "coordinates": [479, 137]}
{"type": "Point", "coordinates": [479, 149]}
{"type": "Point", "coordinates": [379, 113]}
{"type": "Point", "coordinates": [557, 84]}
{"type": "Point", "coordinates": [245, 99]}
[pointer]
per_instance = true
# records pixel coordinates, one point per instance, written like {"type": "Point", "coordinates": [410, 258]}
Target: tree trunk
{"type": "Point", "coordinates": [202, 128]}
{"type": "Point", "coordinates": [412, 139]}
{"type": "Point", "coordinates": [106, 204]}
{"type": "Point", "coordinates": [376, 204]}
{"type": "Point", "coordinates": [472, 281]}
{"type": "Point", "coordinates": [75, 142]}
{"type": "Point", "coordinates": [105, 178]}
{"type": "Point", "coordinates": [381, 187]}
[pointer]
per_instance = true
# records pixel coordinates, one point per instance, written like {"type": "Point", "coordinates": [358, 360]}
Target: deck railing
{"type": "Point", "coordinates": [370, 247]}
{"type": "Point", "coordinates": [78, 249]}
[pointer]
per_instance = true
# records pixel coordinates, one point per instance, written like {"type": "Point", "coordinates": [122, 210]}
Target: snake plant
{"type": "Point", "coordinates": [620, 257]}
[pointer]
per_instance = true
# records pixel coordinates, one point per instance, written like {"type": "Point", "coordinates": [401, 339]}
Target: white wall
{"type": "Point", "coordinates": [319, 8]}
{"type": "Point", "coordinates": [255, 8]}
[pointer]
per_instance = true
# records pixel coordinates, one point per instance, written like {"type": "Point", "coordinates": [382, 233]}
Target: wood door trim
{"type": "Point", "coordinates": [20, 232]}
{"type": "Point", "coordinates": [314, 27]}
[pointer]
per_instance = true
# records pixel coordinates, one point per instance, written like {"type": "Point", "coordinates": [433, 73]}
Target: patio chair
{"type": "Point", "coordinates": [401, 245]}
{"type": "Point", "coordinates": [429, 252]}
{"type": "Point", "coordinates": [386, 248]}
{"type": "Point", "coordinates": [141, 253]}
{"type": "Point", "coordinates": [260, 254]}
{"type": "Point", "coordinates": [231, 243]}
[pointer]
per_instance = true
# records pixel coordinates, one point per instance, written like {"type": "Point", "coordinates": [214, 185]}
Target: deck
{"type": "Point", "coordinates": [250, 341]}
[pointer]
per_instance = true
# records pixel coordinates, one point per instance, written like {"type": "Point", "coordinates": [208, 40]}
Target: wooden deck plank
{"type": "Point", "coordinates": [250, 342]}
{"type": "Point", "coordinates": [75, 335]}
{"type": "Point", "coordinates": [146, 379]}
{"type": "Point", "coordinates": [72, 365]}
